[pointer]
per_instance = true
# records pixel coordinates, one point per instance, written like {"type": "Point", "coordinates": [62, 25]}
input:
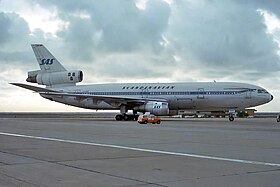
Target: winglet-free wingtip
{"type": "Point", "coordinates": [36, 45]}
{"type": "Point", "coordinates": [13, 83]}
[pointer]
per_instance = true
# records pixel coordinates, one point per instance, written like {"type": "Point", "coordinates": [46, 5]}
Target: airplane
{"type": "Point", "coordinates": [161, 99]}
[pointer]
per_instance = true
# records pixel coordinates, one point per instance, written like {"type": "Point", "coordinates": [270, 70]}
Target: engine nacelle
{"type": "Point", "coordinates": [53, 78]}
{"type": "Point", "coordinates": [157, 108]}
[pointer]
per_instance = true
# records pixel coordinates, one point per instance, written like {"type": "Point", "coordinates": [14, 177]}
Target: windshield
{"type": "Point", "coordinates": [262, 91]}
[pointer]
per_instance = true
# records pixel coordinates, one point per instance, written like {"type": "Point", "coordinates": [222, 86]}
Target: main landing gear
{"type": "Point", "coordinates": [127, 117]}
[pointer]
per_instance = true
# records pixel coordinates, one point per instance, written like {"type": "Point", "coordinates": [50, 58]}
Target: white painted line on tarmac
{"type": "Point", "coordinates": [144, 150]}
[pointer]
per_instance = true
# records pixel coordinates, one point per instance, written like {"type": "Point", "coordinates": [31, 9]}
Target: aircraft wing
{"type": "Point", "coordinates": [106, 98]}
{"type": "Point", "coordinates": [120, 99]}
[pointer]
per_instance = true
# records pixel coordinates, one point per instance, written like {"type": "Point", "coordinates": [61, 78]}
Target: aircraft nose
{"type": "Point", "coordinates": [271, 97]}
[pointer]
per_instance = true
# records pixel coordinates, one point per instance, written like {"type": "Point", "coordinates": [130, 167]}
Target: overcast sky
{"type": "Point", "coordinates": [141, 41]}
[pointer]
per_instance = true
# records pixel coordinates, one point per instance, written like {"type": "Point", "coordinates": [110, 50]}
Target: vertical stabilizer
{"type": "Point", "coordinates": [47, 62]}
{"type": "Point", "coordinates": [52, 73]}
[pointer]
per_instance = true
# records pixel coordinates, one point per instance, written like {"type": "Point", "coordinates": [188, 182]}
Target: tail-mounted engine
{"type": "Point", "coordinates": [54, 78]}
{"type": "Point", "coordinates": [157, 108]}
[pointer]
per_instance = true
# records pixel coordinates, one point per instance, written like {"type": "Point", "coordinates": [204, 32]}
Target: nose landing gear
{"type": "Point", "coordinates": [231, 118]}
{"type": "Point", "coordinates": [232, 113]}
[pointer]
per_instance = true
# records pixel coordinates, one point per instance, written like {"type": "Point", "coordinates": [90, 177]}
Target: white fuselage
{"type": "Point", "coordinates": [198, 96]}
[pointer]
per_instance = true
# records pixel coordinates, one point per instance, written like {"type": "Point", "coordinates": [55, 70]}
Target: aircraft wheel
{"type": "Point", "coordinates": [119, 117]}
{"type": "Point", "coordinates": [231, 118]}
{"type": "Point", "coordinates": [126, 117]}
{"type": "Point", "coordinates": [136, 117]}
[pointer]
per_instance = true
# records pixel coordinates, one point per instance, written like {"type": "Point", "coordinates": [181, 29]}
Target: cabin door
{"type": "Point", "coordinates": [145, 93]}
{"type": "Point", "coordinates": [248, 94]}
{"type": "Point", "coordinates": [200, 93]}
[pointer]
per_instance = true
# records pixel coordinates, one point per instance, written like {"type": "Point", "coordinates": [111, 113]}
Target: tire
{"type": "Point", "coordinates": [145, 122]}
{"type": "Point", "coordinates": [231, 118]}
{"type": "Point", "coordinates": [158, 122]}
{"type": "Point", "coordinates": [136, 117]}
{"type": "Point", "coordinates": [126, 117]}
{"type": "Point", "coordinates": [119, 117]}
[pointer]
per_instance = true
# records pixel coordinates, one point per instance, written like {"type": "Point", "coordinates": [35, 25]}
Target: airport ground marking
{"type": "Point", "coordinates": [143, 149]}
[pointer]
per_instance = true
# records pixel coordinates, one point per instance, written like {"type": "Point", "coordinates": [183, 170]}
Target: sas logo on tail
{"type": "Point", "coordinates": [47, 61]}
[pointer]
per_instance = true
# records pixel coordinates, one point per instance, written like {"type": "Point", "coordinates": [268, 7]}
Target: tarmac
{"type": "Point", "coordinates": [104, 152]}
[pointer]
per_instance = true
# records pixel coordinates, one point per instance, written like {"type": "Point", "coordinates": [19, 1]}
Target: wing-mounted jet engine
{"type": "Point", "coordinates": [157, 108]}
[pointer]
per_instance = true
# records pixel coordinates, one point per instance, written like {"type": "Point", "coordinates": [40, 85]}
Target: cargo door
{"type": "Point", "coordinates": [185, 103]}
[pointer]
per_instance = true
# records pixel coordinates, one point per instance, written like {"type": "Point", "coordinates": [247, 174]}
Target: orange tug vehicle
{"type": "Point", "coordinates": [148, 118]}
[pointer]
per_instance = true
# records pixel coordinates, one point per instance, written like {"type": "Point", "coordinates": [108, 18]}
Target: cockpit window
{"type": "Point", "coordinates": [262, 91]}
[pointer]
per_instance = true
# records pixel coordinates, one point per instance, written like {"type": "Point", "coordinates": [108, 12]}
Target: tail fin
{"type": "Point", "coordinates": [52, 73]}
{"type": "Point", "coordinates": [47, 62]}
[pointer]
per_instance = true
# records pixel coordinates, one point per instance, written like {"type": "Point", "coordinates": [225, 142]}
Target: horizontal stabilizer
{"type": "Point", "coordinates": [33, 88]}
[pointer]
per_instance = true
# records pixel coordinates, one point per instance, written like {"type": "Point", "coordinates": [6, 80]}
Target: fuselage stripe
{"type": "Point", "coordinates": [161, 93]}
